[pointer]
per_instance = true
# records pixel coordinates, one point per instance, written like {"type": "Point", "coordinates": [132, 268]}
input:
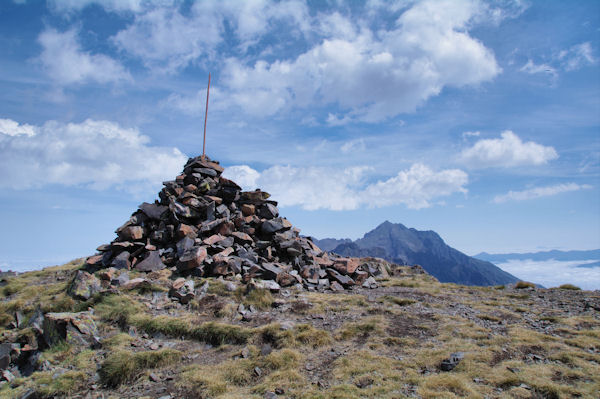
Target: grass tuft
{"type": "Point", "coordinates": [524, 284]}
{"type": "Point", "coordinates": [125, 366]}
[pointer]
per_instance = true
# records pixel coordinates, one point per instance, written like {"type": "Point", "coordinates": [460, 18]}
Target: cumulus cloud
{"type": "Point", "coordinates": [67, 63]}
{"type": "Point", "coordinates": [95, 154]}
{"type": "Point", "coordinates": [537, 192]}
{"type": "Point", "coordinates": [371, 75]}
{"type": "Point", "coordinates": [167, 39]}
{"type": "Point", "coordinates": [13, 128]}
{"type": "Point", "coordinates": [507, 151]}
{"type": "Point", "coordinates": [345, 189]}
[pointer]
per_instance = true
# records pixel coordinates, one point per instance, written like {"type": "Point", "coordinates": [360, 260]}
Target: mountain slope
{"type": "Point", "coordinates": [399, 244]}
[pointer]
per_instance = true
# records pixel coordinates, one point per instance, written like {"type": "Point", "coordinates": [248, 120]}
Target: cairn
{"type": "Point", "coordinates": [204, 225]}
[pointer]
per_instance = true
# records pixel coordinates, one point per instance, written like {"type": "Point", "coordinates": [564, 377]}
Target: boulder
{"type": "Point", "coordinates": [84, 285]}
{"type": "Point", "coordinates": [192, 258]}
{"type": "Point", "coordinates": [74, 328]}
{"type": "Point", "coordinates": [153, 211]}
{"type": "Point", "coordinates": [151, 263]}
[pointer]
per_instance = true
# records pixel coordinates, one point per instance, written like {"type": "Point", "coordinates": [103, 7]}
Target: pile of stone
{"type": "Point", "coordinates": [204, 225]}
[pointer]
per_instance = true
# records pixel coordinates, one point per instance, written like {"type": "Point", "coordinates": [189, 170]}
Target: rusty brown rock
{"type": "Point", "coordinates": [132, 233]}
{"type": "Point", "coordinates": [242, 238]}
{"type": "Point", "coordinates": [216, 200]}
{"type": "Point", "coordinates": [215, 238]}
{"type": "Point", "coordinates": [226, 228]}
{"type": "Point", "coordinates": [248, 209]}
{"type": "Point", "coordinates": [192, 258]}
{"type": "Point", "coordinates": [185, 230]}
{"type": "Point", "coordinates": [178, 283]}
{"type": "Point", "coordinates": [346, 265]}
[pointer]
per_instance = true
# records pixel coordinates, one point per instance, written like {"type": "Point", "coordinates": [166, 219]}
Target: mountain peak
{"type": "Point", "coordinates": [399, 244]}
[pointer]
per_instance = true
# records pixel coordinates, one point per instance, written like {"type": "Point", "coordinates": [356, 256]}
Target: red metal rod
{"type": "Point", "coordinates": [205, 116]}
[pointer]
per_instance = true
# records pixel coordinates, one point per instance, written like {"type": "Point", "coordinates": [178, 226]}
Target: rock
{"type": "Point", "coordinates": [74, 328]}
{"type": "Point", "coordinates": [266, 349]}
{"type": "Point", "coordinates": [272, 226]}
{"type": "Point", "coordinates": [248, 209]}
{"type": "Point", "coordinates": [452, 361]}
{"type": "Point", "coordinates": [120, 279]}
{"type": "Point", "coordinates": [121, 261]}
{"type": "Point", "coordinates": [270, 395]}
{"type": "Point", "coordinates": [84, 285]}
{"type": "Point", "coordinates": [185, 292]}
{"type": "Point", "coordinates": [185, 230]}
{"type": "Point", "coordinates": [153, 377]}
{"type": "Point", "coordinates": [153, 211]}
{"type": "Point", "coordinates": [7, 353]}
{"type": "Point", "coordinates": [132, 233]}
{"type": "Point", "coordinates": [242, 238]}
{"type": "Point", "coordinates": [257, 371]}
{"type": "Point", "coordinates": [136, 283]}
{"type": "Point", "coordinates": [343, 280]}
{"type": "Point", "coordinates": [7, 375]}
{"type": "Point", "coordinates": [215, 238]}
{"type": "Point", "coordinates": [269, 285]}
{"type": "Point", "coordinates": [268, 211]}
{"type": "Point", "coordinates": [370, 283]}
{"type": "Point", "coordinates": [151, 263]}
{"type": "Point", "coordinates": [192, 258]}
{"type": "Point", "coordinates": [346, 266]}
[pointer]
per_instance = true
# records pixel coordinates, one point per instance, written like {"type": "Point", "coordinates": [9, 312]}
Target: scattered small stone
{"type": "Point", "coordinates": [364, 382]}
{"type": "Point", "coordinates": [266, 349]}
{"type": "Point", "coordinates": [452, 361]}
{"type": "Point", "coordinates": [257, 371]}
{"type": "Point", "coordinates": [270, 395]}
{"type": "Point", "coordinates": [153, 377]}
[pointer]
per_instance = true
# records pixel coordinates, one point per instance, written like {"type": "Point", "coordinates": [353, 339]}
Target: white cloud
{"type": "Point", "coordinates": [552, 273]}
{"type": "Point", "coordinates": [12, 128]}
{"type": "Point", "coordinates": [507, 151]}
{"type": "Point", "coordinates": [95, 154]}
{"type": "Point", "coordinates": [537, 192]}
{"type": "Point", "coordinates": [577, 56]}
{"type": "Point", "coordinates": [165, 40]}
{"type": "Point", "coordinates": [344, 189]}
{"type": "Point", "coordinates": [571, 59]}
{"type": "Point", "coordinates": [531, 68]}
{"type": "Point", "coordinates": [168, 39]}
{"type": "Point", "coordinates": [466, 135]}
{"type": "Point", "coordinates": [355, 146]}
{"type": "Point", "coordinates": [371, 75]}
{"type": "Point", "coordinates": [66, 62]}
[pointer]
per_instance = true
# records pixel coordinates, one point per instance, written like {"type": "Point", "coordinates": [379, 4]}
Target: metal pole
{"type": "Point", "coordinates": [205, 116]}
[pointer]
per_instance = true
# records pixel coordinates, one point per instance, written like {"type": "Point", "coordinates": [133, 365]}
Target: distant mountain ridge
{"type": "Point", "coordinates": [399, 244]}
{"type": "Point", "coordinates": [542, 255]}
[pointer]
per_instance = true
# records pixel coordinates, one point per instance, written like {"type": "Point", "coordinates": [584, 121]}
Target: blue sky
{"type": "Point", "coordinates": [479, 120]}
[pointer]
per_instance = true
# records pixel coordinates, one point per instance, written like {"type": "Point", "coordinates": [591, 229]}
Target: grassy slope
{"type": "Point", "coordinates": [383, 343]}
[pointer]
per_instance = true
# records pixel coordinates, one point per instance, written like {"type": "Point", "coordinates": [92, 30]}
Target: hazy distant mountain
{"type": "Point", "coordinates": [328, 244]}
{"type": "Point", "coordinates": [541, 256]}
{"type": "Point", "coordinates": [402, 245]}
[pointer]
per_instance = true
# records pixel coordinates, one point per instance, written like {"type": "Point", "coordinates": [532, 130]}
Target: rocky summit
{"type": "Point", "coordinates": [209, 293]}
{"type": "Point", "coordinates": [204, 225]}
